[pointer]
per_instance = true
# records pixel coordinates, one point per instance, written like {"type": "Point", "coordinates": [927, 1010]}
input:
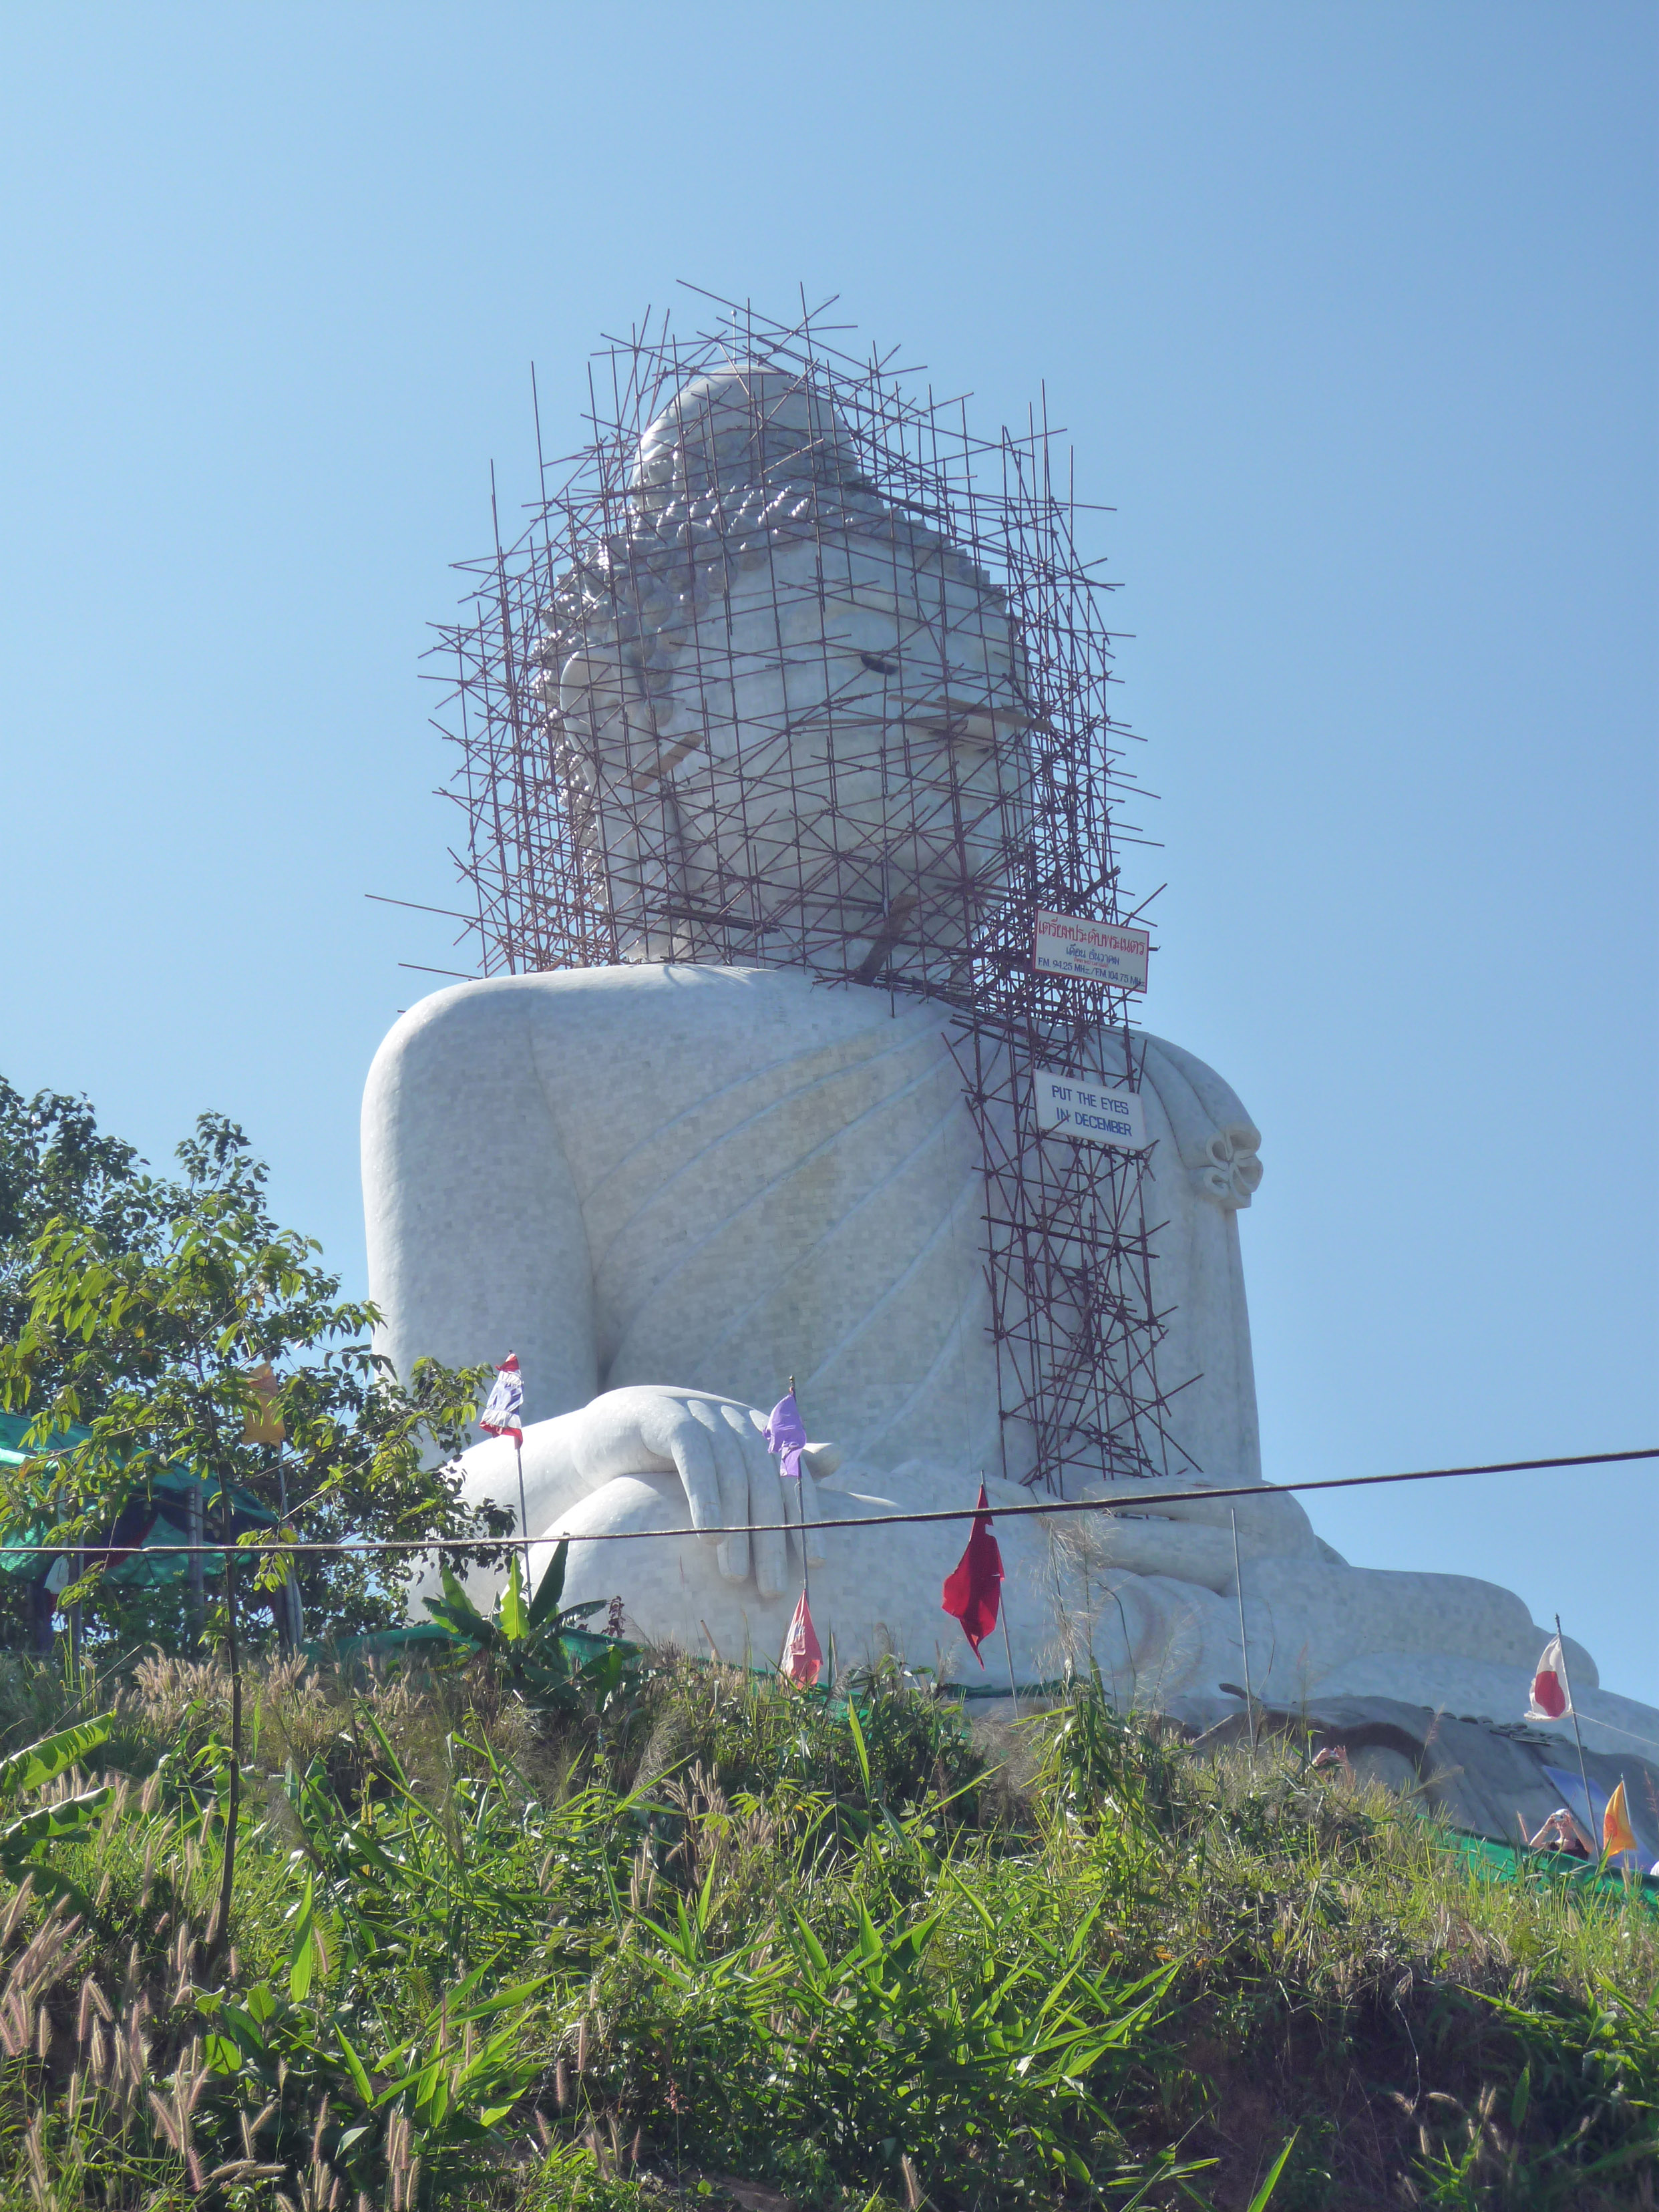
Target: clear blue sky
{"type": "Point", "coordinates": [1352, 312]}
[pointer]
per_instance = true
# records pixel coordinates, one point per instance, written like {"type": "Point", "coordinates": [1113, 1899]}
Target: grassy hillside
{"type": "Point", "coordinates": [714, 1942]}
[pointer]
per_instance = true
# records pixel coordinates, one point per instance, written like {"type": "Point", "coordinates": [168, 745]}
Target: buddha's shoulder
{"type": "Point", "coordinates": [1189, 1088]}
{"type": "Point", "coordinates": [652, 1008]}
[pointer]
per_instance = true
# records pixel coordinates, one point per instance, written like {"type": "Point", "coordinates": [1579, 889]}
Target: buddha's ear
{"type": "Point", "coordinates": [822, 1459]}
{"type": "Point", "coordinates": [590, 690]}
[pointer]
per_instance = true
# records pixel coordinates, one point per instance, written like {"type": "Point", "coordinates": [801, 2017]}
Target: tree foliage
{"type": "Point", "coordinates": [139, 1307]}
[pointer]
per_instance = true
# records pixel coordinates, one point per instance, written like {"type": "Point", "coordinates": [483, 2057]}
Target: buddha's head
{"type": "Point", "coordinates": [792, 718]}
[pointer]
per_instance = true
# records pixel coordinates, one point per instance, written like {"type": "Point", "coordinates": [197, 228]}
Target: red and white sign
{"type": "Point", "coordinates": [1092, 951]}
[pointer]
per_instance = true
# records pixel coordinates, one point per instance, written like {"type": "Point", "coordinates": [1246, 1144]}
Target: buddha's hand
{"type": "Point", "coordinates": [1191, 1540]}
{"type": "Point", "coordinates": [717, 1447]}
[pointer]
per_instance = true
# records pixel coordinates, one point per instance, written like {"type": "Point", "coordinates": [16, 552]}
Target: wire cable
{"type": "Point", "coordinates": [717, 1532]}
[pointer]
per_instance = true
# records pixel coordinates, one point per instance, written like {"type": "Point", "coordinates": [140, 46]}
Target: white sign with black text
{"type": "Point", "coordinates": [1091, 951]}
{"type": "Point", "coordinates": [1081, 1107]}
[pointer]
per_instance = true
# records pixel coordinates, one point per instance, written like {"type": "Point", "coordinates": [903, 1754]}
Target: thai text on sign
{"type": "Point", "coordinates": [1092, 951]}
{"type": "Point", "coordinates": [1073, 1106]}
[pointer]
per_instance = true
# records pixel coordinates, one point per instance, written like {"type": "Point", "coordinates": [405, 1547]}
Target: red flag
{"type": "Point", "coordinates": [803, 1657]}
{"type": "Point", "coordinates": [973, 1594]}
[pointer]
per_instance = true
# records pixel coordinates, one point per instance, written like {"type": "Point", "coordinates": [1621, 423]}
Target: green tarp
{"type": "Point", "coordinates": [156, 1512]}
{"type": "Point", "coordinates": [1506, 1863]}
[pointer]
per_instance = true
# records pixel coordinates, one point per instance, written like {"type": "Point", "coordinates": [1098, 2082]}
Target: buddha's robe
{"type": "Point", "coordinates": [721, 1176]}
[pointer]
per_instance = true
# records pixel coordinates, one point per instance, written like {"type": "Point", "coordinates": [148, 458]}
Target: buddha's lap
{"type": "Point", "coordinates": [877, 1589]}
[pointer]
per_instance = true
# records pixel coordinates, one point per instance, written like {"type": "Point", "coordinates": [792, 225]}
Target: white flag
{"type": "Point", "coordinates": [503, 1413]}
{"type": "Point", "coordinates": [1550, 1701]}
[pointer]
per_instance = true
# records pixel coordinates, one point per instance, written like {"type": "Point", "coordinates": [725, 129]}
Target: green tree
{"type": "Point", "coordinates": [55, 1165]}
{"type": "Point", "coordinates": [139, 1307]}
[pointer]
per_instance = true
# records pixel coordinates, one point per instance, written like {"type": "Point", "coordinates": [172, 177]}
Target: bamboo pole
{"type": "Point", "coordinates": [1589, 1801]}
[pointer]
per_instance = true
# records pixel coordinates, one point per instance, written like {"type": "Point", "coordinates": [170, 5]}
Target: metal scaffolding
{"type": "Point", "coordinates": [791, 666]}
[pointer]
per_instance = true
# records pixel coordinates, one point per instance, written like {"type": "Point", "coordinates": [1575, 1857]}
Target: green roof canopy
{"type": "Point", "coordinates": [155, 1512]}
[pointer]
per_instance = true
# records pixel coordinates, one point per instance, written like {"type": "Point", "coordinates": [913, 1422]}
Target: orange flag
{"type": "Point", "coordinates": [264, 1427]}
{"type": "Point", "coordinates": [1617, 1834]}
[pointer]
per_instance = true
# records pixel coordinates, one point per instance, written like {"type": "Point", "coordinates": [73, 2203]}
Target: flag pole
{"type": "Point", "coordinates": [1244, 1641]}
{"type": "Point", "coordinates": [1566, 1684]}
{"type": "Point", "coordinates": [1002, 1614]}
{"type": "Point", "coordinates": [806, 1572]}
{"type": "Point", "coordinates": [524, 1511]}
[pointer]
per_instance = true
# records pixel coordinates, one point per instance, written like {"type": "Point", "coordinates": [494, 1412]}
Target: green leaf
{"type": "Point", "coordinates": [355, 2068]}
{"type": "Point", "coordinates": [814, 1950]}
{"type": "Point", "coordinates": [456, 1598]}
{"type": "Point", "coordinates": [858, 1744]}
{"type": "Point", "coordinates": [463, 1622]}
{"type": "Point", "coordinates": [42, 1762]}
{"type": "Point", "coordinates": [515, 1624]}
{"type": "Point", "coordinates": [1258, 2202]}
{"type": "Point", "coordinates": [48, 1823]}
{"type": "Point", "coordinates": [520, 1993]}
{"type": "Point", "coordinates": [869, 1944]}
{"type": "Point", "coordinates": [303, 1964]}
{"type": "Point", "coordinates": [1519, 2101]}
{"type": "Point", "coordinates": [910, 1945]}
{"type": "Point", "coordinates": [550, 1588]}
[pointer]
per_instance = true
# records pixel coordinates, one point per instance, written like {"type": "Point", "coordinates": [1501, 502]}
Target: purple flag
{"type": "Point", "coordinates": [785, 1435]}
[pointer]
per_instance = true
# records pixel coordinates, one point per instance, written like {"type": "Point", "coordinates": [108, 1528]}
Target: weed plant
{"type": "Point", "coordinates": [728, 1943]}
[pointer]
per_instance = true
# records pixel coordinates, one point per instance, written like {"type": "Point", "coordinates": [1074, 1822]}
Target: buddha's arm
{"type": "Point", "coordinates": [476, 1240]}
{"type": "Point", "coordinates": [477, 1246]}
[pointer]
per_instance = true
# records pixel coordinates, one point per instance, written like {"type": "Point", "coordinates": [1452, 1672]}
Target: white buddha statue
{"type": "Point", "coordinates": [673, 1183]}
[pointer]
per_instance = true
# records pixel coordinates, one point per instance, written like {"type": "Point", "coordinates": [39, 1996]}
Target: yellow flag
{"type": "Point", "coordinates": [264, 1427]}
{"type": "Point", "coordinates": [1617, 1834]}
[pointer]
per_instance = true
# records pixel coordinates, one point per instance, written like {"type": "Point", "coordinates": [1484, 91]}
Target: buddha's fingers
{"type": "Point", "coordinates": [1176, 1549]}
{"type": "Point", "coordinates": [1148, 1498]}
{"type": "Point", "coordinates": [667, 1427]}
{"type": "Point", "coordinates": [763, 1502]}
{"type": "Point", "coordinates": [1268, 1520]}
{"type": "Point", "coordinates": [734, 1478]}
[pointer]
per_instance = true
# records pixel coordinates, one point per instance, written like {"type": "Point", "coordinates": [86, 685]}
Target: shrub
{"type": "Point", "coordinates": [745, 1946]}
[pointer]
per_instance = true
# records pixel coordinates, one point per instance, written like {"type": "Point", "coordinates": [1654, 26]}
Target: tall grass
{"type": "Point", "coordinates": [729, 1941]}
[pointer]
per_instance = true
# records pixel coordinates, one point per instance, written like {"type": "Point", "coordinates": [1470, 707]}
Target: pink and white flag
{"type": "Point", "coordinates": [803, 1657]}
{"type": "Point", "coordinates": [503, 1413]}
{"type": "Point", "coordinates": [1550, 1701]}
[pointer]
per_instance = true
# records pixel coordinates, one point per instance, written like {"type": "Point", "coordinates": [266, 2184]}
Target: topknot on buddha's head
{"type": "Point", "coordinates": [742, 426]}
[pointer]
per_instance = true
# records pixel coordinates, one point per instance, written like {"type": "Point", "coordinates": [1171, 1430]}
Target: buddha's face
{"type": "Point", "coordinates": [813, 735]}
